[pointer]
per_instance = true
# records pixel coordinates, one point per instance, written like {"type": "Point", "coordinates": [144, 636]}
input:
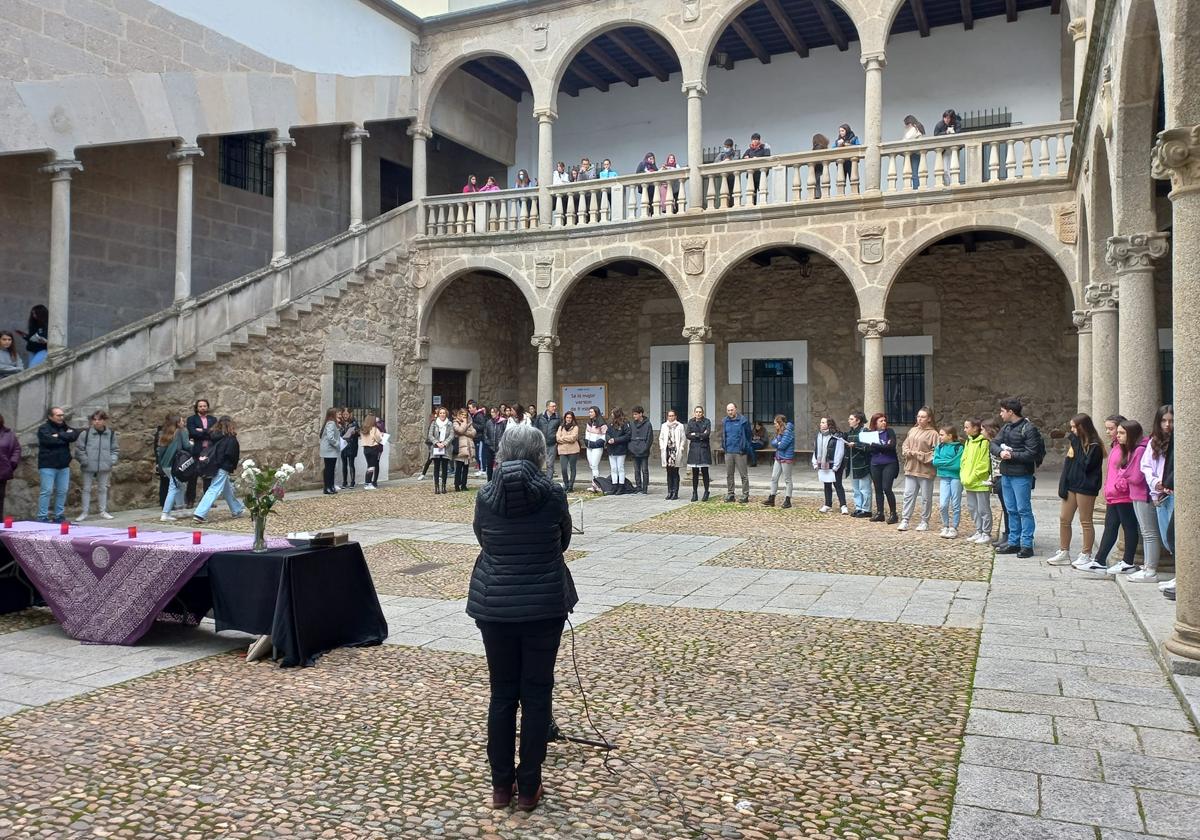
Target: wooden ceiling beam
{"type": "Point", "coordinates": [634, 52]}
{"type": "Point", "coordinates": [517, 79]}
{"type": "Point", "coordinates": [918, 10]}
{"type": "Point", "coordinates": [1010, 10]}
{"type": "Point", "coordinates": [750, 41]}
{"type": "Point", "coordinates": [968, 14]}
{"type": "Point", "coordinates": [611, 66]}
{"type": "Point", "coordinates": [831, 25]}
{"type": "Point", "coordinates": [787, 27]}
{"type": "Point", "coordinates": [588, 76]}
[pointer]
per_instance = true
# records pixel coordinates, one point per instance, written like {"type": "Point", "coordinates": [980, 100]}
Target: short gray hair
{"type": "Point", "coordinates": [522, 443]}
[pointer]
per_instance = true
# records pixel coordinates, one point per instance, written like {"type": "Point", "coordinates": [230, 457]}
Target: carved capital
{"type": "Point", "coordinates": [1176, 156]}
{"type": "Point", "coordinates": [415, 130]}
{"type": "Point", "coordinates": [873, 61]}
{"type": "Point", "coordinates": [545, 115]}
{"type": "Point", "coordinates": [1082, 318]}
{"type": "Point", "coordinates": [61, 170]}
{"type": "Point", "coordinates": [872, 327]}
{"type": "Point", "coordinates": [1077, 28]}
{"type": "Point", "coordinates": [697, 333]}
{"type": "Point", "coordinates": [280, 145]}
{"type": "Point", "coordinates": [356, 134]}
{"type": "Point", "coordinates": [695, 88]}
{"type": "Point", "coordinates": [544, 343]}
{"type": "Point", "coordinates": [1138, 251]}
{"type": "Point", "coordinates": [1102, 296]}
{"type": "Point", "coordinates": [185, 155]}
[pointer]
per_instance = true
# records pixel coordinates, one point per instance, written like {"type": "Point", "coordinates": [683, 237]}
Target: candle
{"type": "Point", "coordinates": [64, 528]}
{"type": "Point", "coordinates": [195, 538]}
{"type": "Point", "coordinates": [8, 520]}
{"type": "Point", "coordinates": [133, 532]}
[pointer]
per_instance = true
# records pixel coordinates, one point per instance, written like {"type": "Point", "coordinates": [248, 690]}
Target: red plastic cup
{"type": "Point", "coordinates": [133, 532]}
{"type": "Point", "coordinates": [195, 538]}
{"type": "Point", "coordinates": [8, 521]}
{"type": "Point", "coordinates": [64, 528]}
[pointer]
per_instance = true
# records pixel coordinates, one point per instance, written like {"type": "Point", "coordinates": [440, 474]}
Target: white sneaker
{"type": "Point", "coordinates": [1121, 568]}
{"type": "Point", "coordinates": [942, 533]}
{"type": "Point", "coordinates": [420, 476]}
{"type": "Point", "coordinates": [1060, 558]}
{"type": "Point", "coordinates": [337, 487]}
{"type": "Point", "coordinates": [980, 539]}
{"type": "Point", "coordinates": [1082, 561]}
{"type": "Point", "coordinates": [845, 511]}
{"type": "Point", "coordinates": [824, 509]}
{"type": "Point", "coordinates": [923, 526]}
{"type": "Point", "coordinates": [370, 487]}
{"type": "Point", "coordinates": [168, 518]}
{"type": "Point", "coordinates": [1167, 584]}
{"type": "Point", "coordinates": [1143, 576]}
{"type": "Point", "coordinates": [903, 526]}
{"type": "Point", "coordinates": [105, 515]}
{"type": "Point", "coordinates": [951, 533]}
{"type": "Point", "coordinates": [82, 517]}
{"type": "Point", "coordinates": [1096, 569]}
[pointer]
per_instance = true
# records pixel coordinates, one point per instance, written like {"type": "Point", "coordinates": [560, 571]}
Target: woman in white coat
{"type": "Point", "coordinates": [672, 447]}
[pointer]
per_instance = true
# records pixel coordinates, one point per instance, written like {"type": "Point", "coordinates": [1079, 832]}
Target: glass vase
{"type": "Point", "coordinates": [260, 533]}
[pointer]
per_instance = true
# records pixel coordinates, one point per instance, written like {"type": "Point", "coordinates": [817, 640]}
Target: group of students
{"type": "Point", "coordinates": [34, 336]}
{"type": "Point", "coordinates": [340, 438]}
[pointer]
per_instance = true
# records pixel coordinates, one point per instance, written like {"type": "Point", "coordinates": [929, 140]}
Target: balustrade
{"type": "Point", "coordinates": [502, 211]}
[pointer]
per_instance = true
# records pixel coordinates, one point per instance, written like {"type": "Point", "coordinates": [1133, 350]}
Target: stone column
{"type": "Point", "coordinates": [59, 296]}
{"type": "Point", "coordinates": [696, 336]}
{"type": "Point", "coordinates": [545, 345]}
{"type": "Point", "coordinates": [1077, 29]}
{"type": "Point", "coordinates": [1103, 300]}
{"type": "Point", "coordinates": [545, 118]}
{"type": "Point", "coordinates": [356, 136]}
{"type": "Point", "coordinates": [1083, 390]}
{"type": "Point", "coordinates": [1137, 345]}
{"type": "Point", "coordinates": [873, 63]}
{"type": "Point", "coordinates": [1177, 156]}
{"type": "Point", "coordinates": [420, 135]}
{"type": "Point", "coordinates": [695, 143]}
{"type": "Point", "coordinates": [185, 157]}
{"type": "Point", "coordinates": [873, 330]}
{"type": "Point", "coordinates": [279, 148]}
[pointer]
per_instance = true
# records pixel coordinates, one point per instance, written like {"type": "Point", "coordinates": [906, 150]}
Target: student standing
{"type": "Point", "coordinates": [172, 439]}
{"type": "Point", "coordinates": [699, 451]}
{"type": "Point", "coordinates": [784, 442]}
{"type": "Point", "coordinates": [618, 435]}
{"type": "Point", "coordinates": [1122, 485]}
{"type": "Point", "coordinates": [493, 432]}
{"type": "Point", "coordinates": [441, 437]}
{"type": "Point", "coordinates": [594, 436]}
{"type": "Point", "coordinates": [1020, 448]}
{"type": "Point", "coordinates": [990, 430]}
{"type": "Point", "coordinates": [1152, 465]}
{"type": "Point", "coordinates": [372, 443]}
{"type": "Point", "coordinates": [947, 462]}
{"type": "Point", "coordinates": [329, 450]}
{"type": "Point", "coordinates": [641, 439]}
{"type": "Point", "coordinates": [672, 449]}
{"type": "Point", "coordinates": [97, 452]}
{"type": "Point", "coordinates": [975, 473]}
{"type": "Point", "coordinates": [35, 335]}
{"type": "Point", "coordinates": [10, 359]}
{"type": "Point", "coordinates": [860, 465]}
{"type": "Point", "coordinates": [828, 459]}
{"type": "Point", "coordinates": [919, 472]}
{"type": "Point", "coordinates": [1158, 466]}
{"type": "Point", "coordinates": [221, 460]}
{"type": "Point", "coordinates": [567, 441]}
{"type": "Point", "coordinates": [1078, 486]}
{"type": "Point", "coordinates": [464, 435]}
{"type": "Point", "coordinates": [349, 429]}
{"type": "Point", "coordinates": [885, 466]}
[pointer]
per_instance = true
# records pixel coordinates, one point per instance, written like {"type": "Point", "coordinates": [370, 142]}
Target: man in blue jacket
{"type": "Point", "coordinates": [735, 440]}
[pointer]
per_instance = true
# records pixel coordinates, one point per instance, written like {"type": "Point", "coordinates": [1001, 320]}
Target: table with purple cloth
{"type": "Point", "coordinates": [104, 587]}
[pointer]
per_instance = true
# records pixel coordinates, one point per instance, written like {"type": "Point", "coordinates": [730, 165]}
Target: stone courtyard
{"type": "Point", "coordinates": [763, 673]}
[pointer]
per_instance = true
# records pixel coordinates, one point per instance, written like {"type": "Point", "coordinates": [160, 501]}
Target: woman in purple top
{"type": "Point", "coordinates": [885, 466]}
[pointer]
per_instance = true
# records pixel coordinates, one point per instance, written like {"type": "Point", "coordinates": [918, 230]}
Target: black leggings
{"type": "Point", "coordinates": [1119, 517]}
{"type": "Point", "coordinates": [330, 472]}
{"type": "Point", "coordinates": [696, 473]}
{"type": "Point", "coordinates": [460, 475]}
{"type": "Point", "coordinates": [348, 456]}
{"type": "Point", "coordinates": [441, 469]}
{"type": "Point", "coordinates": [164, 484]}
{"type": "Point", "coordinates": [372, 454]}
{"type": "Point", "coordinates": [883, 476]}
{"type": "Point", "coordinates": [836, 484]}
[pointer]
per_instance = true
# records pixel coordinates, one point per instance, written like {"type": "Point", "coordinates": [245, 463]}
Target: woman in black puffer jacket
{"type": "Point", "coordinates": [521, 592]}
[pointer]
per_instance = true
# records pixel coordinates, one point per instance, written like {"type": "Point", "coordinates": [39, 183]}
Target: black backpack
{"type": "Point", "coordinates": [184, 466]}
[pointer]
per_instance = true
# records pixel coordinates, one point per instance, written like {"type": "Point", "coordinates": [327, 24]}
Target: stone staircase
{"type": "Point", "coordinates": [110, 372]}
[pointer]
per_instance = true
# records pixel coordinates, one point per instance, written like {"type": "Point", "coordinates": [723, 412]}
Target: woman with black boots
{"type": "Point", "coordinates": [349, 428]}
{"type": "Point", "coordinates": [699, 450]}
{"type": "Point", "coordinates": [441, 439]}
{"type": "Point", "coordinates": [672, 448]}
{"type": "Point", "coordinates": [464, 450]}
{"type": "Point", "coordinates": [885, 466]}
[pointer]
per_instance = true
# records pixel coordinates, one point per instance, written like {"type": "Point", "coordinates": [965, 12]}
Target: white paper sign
{"type": "Point", "coordinates": [868, 437]}
{"type": "Point", "coordinates": [579, 398]}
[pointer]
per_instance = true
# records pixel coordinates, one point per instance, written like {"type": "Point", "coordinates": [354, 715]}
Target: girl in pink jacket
{"type": "Point", "coordinates": [1123, 485]}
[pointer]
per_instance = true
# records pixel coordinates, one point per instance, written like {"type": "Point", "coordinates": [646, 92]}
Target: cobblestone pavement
{"type": "Point", "coordinates": [733, 713]}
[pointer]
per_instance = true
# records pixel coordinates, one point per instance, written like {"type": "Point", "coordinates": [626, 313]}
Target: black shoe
{"type": "Point", "coordinates": [705, 499]}
{"type": "Point", "coordinates": [730, 497]}
{"type": "Point", "coordinates": [696, 497]}
{"type": "Point", "coordinates": [1025, 552]}
{"type": "Point", "coordinates": [770, 502]}
{"type": "Point", "coordinates": [893, 519]}
{"type": "Point", "coordinates": [1010, 549]}
{"type": "Point", "coordinates": [787, 502]}
{"type": "Point", "coordinates": [744, 500]}
{"type": "Point", "coordinates": [877, 517]}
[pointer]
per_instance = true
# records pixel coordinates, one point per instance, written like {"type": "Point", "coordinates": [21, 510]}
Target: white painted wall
{"type": "Point", "coordinates": [321, 36]}
{"type": "Point", "coordinates": [996, 64]}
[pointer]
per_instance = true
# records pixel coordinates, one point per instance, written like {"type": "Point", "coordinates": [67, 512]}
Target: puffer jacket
{"type": "Point", "coordinates": [492, 432]}
{"type": "Point", "coordinates": [10, 453]}
{"type": "Point", "coordinates": [54, 445]}
{"type": "Point", "coordinates": [785, 443]}
{"type": "Point", "coordinates": [918, 452]}
{"type": "Point", "coordinates": [466, 441]}
{"type": "Point", "coordinates": [976, 465]}
{"type": "Point", "coordinates": [619, 437]}
{"type": "Point", "coordinates": [1027, 445]}
{"type": "Point", "coordinates": [224, 454]}
{"type": "Point", "coordinates": [1082, 469]}
{"type": "Point", "coordinates": [97, 452]}
{"type": "Point", "coordinates": [523, 526]}
{"type": "Point", "coordinates": [641, 438]}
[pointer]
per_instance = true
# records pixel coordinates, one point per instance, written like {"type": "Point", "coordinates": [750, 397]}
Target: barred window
{"type": "Point", "coordinates": [674, 390]}
{"type": "Point", "coordinates": [767, 389]}
{"type": "Point", "coordinates": [246, 163]}
{"type": "Point", "coordinates": [903, 388]}
{"type": "Point", "coordinates": [1166, 370]}
{"type": "Point", "coordinates": [359, 388]}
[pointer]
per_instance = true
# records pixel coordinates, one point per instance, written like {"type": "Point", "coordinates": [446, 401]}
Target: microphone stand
{"type": "Point", "coordinates": [556, 734]}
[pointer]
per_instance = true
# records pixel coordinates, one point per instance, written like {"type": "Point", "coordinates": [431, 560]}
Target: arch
{"type": "Point", "coordinates": [1083, 249]}
{"type": "Point", "coordinates": [562, 57]}
{"type": "Point", "coordinates": [461, 266]}
{"type": "Point", "coordinates": [1135, 99]}
{"type": "Point", "coordinates": [1100, 207]}
{"type": "Point", "coordinates": [608, 254]}
{"type": "Point", "coordinates": [997, 221]}
{"type": "Point", "coordinates": [712, 32]}
{"type": "Point", "coordinates": [776, 239]}
{"type": "Point", "coordinates": [438, 78]}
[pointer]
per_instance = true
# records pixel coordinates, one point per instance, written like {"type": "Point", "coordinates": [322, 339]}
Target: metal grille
{"type": "Point", "coordinates": [767, 389]}
{"type": "Point", "coordinates": [1166, 368]}
{"type": "Point", "coordinates": [675, 389]}
{"type": "Point", "coordinates": [245, 163]}
{"type": "Point", "coordinates": [359, 388]}
{"type": "Point", "coordinates": [903, 387]}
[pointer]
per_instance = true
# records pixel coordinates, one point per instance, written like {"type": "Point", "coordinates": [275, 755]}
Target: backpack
{"type": "Point", "coordinates": [184, 466]}
{"type": "Point", "coordinates": [1039, 448]}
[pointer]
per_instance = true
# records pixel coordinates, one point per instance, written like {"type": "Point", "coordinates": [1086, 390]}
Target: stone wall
{"type": "Point", "coordinates": [273, 388]}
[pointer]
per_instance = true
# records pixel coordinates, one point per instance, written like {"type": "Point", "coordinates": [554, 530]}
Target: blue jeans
{"type": "Point", "coordinates": [1018, 501]}
{"type": "Point", "coordinates": [1166, 517]}
{"type": "Point", "coordinates": [36, 359]}
{"type": "Point", "coordinates": [862, 493]}
{"type": "Point", "coordinates": [174, 488]}
{"type": "Point", "coordinates": [950, 496]}
{"type": "Point", "coordinates": [221, 486]}
{"type": "Point", "coordinates": [53, 482]}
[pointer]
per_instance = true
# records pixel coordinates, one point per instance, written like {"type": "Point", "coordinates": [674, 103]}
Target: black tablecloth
{"type": "Point", "coordinates": [309, 600]}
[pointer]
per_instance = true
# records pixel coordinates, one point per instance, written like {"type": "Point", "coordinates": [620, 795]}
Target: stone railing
{"type": "Point", "coordinates": [627, 198]}
{"type": "Point", "coordinates": [782, 179]}
{"type": "Point", "coordinates": [139, 351]}
{"type": "Point", "coordinates": [1019, 153]}
{"type": "Point", "coordinates": [500, 211]}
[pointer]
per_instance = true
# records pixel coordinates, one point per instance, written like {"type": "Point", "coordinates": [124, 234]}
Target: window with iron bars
{"type": "Point", "coordinates": [903, 388]}
{"type": "Point", "coordinates": [1166, 370]}
{"type": "Point", "coordinates": [767, 389]}
{"type": "Point", "coordinates": [359, 388]}
{"type": "Point", "coordinates": [674, 390]}
{"type": "Point", "coordinates": [246, 163]}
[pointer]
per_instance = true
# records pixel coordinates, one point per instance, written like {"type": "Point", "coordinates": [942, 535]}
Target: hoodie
{"type": "Point", "coordinates": [976, 465]}
{"type": "Point", "coordinates": [947, 459]}
{"type": "Point", "coordinates": [523, 526]}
